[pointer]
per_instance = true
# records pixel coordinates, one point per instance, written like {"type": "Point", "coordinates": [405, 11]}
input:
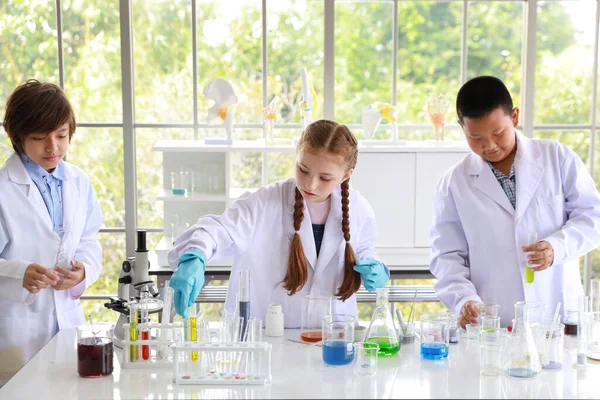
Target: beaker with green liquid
{"type": "Point", "coordinates": [381, 329]}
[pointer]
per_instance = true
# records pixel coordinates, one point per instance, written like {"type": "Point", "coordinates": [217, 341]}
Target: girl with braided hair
{"type": "Point", "coordinates": [309, 235]}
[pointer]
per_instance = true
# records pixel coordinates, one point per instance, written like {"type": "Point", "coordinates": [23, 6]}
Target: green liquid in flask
{"type": "Point", "coordinates": [387, 346]}
{"type": "Point", "coordinates": [529, 275]}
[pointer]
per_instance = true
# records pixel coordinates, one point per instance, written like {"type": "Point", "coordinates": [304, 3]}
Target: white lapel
{"type": "Point", "coordinates": [70, 197]}
{"type": "Point", "coordinates": [486, 182]}
{"type": "Point", "coordinates": [528, 173]}
{"type": "Point", "coordinates": [18, 174]}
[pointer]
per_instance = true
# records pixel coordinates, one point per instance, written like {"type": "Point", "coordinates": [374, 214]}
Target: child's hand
{"type": "Point", "coordinates": [541, 255]}
{"type": "Point", "coordinates": [37, 278]}
{"type": "Point", "coordinates": [71, 278]}
{"type": "Point", "coordinates": [468, 313]}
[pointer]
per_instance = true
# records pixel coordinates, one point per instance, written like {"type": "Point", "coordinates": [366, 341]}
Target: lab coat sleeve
{"type": "Point", "coordinates": [366, 246]}
{"type": "Point", "coordinates": [89, 250]}
{"type": "Point", "coordinates": [581, 233]}
{"type": "Point", "coordinates": [12, 272]}
{"type": "Point", "coordinates": [449, 252]}
{"type": "Point", "coordinates": [224, 235]}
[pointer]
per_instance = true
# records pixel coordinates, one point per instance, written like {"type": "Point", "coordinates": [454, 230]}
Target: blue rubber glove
{"type": "Point", "coordinates": [188, 280]}
{"type": "Point", "coordinates": [373, 272]}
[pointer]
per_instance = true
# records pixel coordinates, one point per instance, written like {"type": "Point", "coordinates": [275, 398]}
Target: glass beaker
{"type": "Point", "coordinates": [366, 359]}
{"type": "Point", "coordinates": [95, 349]}
{"type": "Point", "coordinates": [338, 339]}
{"type": "Point", "coordinates": [490, 323]}
{"type": "Point", "coordinates": [522, 357]}
{"type": "Point", "coordinates": [453, 331]}
{"type": "Point", "coordinates": [434, 337]}
{"type": "Point", "coordinates": [473, 330]}
{"type": "Point", "coordinates": [179, 182]}
{"type": "Point", "coordinates": [593, 336]}
{"type": "Point", "coordinates": [490, 309]}
{"type": "Point", "coordinates": [314, 309]}
{"type": "Point", "coordinates": [550, 345]}
{"type": "Point", "coordinates": [536, 311]}
{"type": "Point", "coordinates": [381, 329]}
{"type": "Point", "coordinates": [492, 345]}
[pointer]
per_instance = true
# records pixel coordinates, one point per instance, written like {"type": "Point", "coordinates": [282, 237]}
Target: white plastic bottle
{"type": "Point", "coordinates": [274, 320]}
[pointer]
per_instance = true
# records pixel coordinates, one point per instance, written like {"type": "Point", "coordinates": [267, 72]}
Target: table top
{"type": "Point", "coordinates": [299, 372]}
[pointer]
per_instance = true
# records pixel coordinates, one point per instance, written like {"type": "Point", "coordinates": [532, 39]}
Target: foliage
{"type": "Point", "coordinates": [229, 43]}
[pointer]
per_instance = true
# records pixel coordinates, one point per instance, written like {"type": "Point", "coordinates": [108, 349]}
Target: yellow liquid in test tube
{"type": "Point", "coordinates": [133, 335]}
{"type": "Point", "coordinates": [193, 337]}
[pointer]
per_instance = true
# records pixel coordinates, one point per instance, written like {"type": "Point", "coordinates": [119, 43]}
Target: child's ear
{"type": "Point", "coordinates": [515, 117]}
{"type": "Point", "coordinates": [348, 174]}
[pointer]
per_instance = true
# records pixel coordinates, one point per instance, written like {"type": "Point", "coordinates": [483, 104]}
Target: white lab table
{"type": "Point", "coordinates": [298, 372]}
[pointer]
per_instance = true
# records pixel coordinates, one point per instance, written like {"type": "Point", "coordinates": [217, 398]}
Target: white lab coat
{"type": "Point", "coordinates": [29, 321]}
{"type": "Point", "coordinates": [258, 229]}
{"type": "Point", "coordinates": [476, 235]}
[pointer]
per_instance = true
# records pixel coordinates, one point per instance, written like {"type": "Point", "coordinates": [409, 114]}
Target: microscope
{"type": "Point", "coordinates": [133, 280]}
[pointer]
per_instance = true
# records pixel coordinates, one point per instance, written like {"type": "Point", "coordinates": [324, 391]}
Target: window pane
{"type": "Point", "coordinates": [92, 53]}
{"type": "Point", "coordinates": [363, 57]}
{"type": "Point", "coordinates": [578, 141]}
{"type": "Point", "coordinates": [565, 55]}
{"type": "Point", "coordinates": [245, 170]}
{"type": "Point", "coordinates": [295, 39]}
{"type": "Point", "coordinates": [113, 255]}
{"type": "Point", "coordinates": [5, 146]}
{"type": "Point", "coordinates": [99, 153]}
{"type": "Point", "coordinates": [162, 57]}
{"type": "Point", "coordinates": [429, 44]}
{"type": "Point", "coordinates": [495, 37]}
{"type": "Point", "coordinates": [281, 166]}
{"type": "Point", "coordinates": [229, 47]}
{"type": "Point", "coordinates": [27, 44]}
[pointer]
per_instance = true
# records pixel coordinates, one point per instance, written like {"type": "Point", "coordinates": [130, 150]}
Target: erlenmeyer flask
{"type": "Point", "coordinates": [521, 356]}
{"type": "Point", "coordinates": [381, 329]}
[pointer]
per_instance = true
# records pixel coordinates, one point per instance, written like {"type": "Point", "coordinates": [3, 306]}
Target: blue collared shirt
{"type": "Point", "coordinates": [507, 182]}
{"type": "Point", "coordinates": [50, 187]}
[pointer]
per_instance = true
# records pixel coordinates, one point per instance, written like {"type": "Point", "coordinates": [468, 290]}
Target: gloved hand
{"type": "Point", "coordinates": [373, 272]}
{"type": "Point", "coordinates": [188, 280]}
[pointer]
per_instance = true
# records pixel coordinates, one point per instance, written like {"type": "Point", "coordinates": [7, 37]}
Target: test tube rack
{"type": "Point", "coordinates": [154, 352]}
{"type": "Point", "coordinates": [239, 363]}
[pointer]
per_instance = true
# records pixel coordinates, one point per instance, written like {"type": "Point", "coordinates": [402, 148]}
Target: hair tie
{"type": "Point", "coordinates": [347, 241]}
{"type": "Point", "coordinates": [298, 232]}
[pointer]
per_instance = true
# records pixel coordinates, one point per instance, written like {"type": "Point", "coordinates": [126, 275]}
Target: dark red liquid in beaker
{"type": "Point", "coordinates": [94, 357]}
{"type": "Point", "coordinates": [145, 347]}
{"type": "Point", "coordinates": [570, 329]}
{"type": "Point", "coordinates": [311, 337]}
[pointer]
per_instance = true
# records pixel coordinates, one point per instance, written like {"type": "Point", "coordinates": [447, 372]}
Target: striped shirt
{"type": "Point", "coordinates": [507, 182]}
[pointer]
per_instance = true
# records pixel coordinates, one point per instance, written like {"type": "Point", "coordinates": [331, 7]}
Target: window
{"type": "Point", "coordinates": [399, 52]}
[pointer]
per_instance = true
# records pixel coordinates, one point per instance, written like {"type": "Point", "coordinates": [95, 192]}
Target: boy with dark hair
{"type": "Point", "coordinates": [488, 208]}
{"type": "Point", "coordinates": [49, 217]}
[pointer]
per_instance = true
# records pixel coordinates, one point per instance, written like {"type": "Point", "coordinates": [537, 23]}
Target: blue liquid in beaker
{"type": "Point", "coordinates": [338, 352]}
{"type": "Point", "coordinates": [434, 351]}
{"type": "Point", "coordinates": [522, 372]}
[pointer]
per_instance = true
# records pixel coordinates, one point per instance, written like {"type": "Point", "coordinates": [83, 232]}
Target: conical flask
{"type": "Point", "coordinates": [521, 356]}
{"type": "Point", "coordinates": [381, 329]}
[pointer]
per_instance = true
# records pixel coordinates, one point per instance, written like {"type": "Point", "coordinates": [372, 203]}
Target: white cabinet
{"type": "Point", "coordinates": [429, 169]}
{"type": "Point", "coordinates": [387, 181]}
{"type": "Point", "coordinates": [397, 180]}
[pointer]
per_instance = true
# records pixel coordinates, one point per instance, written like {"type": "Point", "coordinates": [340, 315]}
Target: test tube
{"type": "Point", "coordinates": [190, 329]}
{"type": "Point", "coordinates": [582, 332]}
{"type": "Point", "coordinates": [244, 300]}
{"type": "Point", "coordinates": [133, 332]}
{"type": "Point", "coordinates": [529, 273]}
{"type": "Point", "coordinates": [145, 319]}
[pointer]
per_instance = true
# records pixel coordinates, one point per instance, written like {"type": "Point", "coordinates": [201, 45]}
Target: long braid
{"type": "Point", "coordinates": [351, 282]}
{"type": "Point", "coordinates": [297, 272]}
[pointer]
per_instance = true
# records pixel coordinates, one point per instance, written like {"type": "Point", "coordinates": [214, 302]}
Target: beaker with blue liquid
{"type": "Point", "coordinates": [434, 337]}
{"type": "Point", "coordinates": [338, 339]}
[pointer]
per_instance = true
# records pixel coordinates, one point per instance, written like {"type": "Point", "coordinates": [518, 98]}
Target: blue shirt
{"type": "Point", "coordinates": [50, 187]}
{"type": "Point", "coordinates": [318, 232]}
{"type": "Point", "coordinates": [507, 182]}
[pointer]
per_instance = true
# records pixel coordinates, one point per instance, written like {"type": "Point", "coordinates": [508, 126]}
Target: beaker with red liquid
{"type": "Point", "coordinates": [314, 309]}
{"type": "Point", "coordinates": [95, 350]}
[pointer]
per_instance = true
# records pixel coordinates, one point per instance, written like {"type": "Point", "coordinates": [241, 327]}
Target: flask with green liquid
{"type": "Point", "coordinates": [381, 329]}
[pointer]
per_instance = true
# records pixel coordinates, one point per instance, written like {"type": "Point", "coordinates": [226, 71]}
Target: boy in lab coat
{"type": "Point", "coordinates": [488, 207]}
{"type": "Point", "coordinates": [49, 217]}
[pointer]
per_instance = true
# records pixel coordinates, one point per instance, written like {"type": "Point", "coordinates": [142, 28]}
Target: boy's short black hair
{"type": "Point", "coordinates": [36, 107]}
{"type": "Point", "coordinates": [482, 95]}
